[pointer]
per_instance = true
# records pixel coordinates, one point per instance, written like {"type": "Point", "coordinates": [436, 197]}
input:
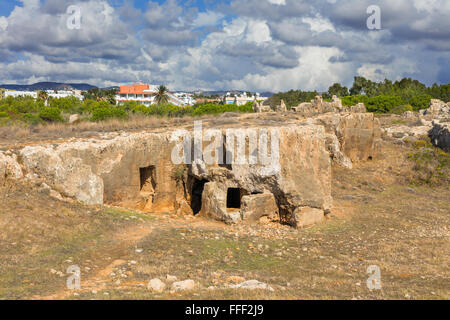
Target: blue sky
{"type": "Point", "coordinates": [258, 45]}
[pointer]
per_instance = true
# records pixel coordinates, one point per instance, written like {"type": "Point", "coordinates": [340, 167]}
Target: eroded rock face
{"type": "Point", "coordinates": [359, 134]}
{"type": "Point", "coordinates": [107, 171]}
{"type": "Point", "coordinates": [440, 135]}
{"type": "Point", "coordinates": [9, 167]}
{"type": "Point", "coordinates": [300, 177]}
{"type": "Point", "coordinates": [259, 206]}
{"type": "Point", "coordinates": [402, 133]}
{"type": "Point", "coordinates": [282, 107]}
{"type": "Point", "coordinates": [64, 172]}
{"type": "Point", "coordinates": [259, 107]}
{"type": "Point", "coordinates": [438, 110]}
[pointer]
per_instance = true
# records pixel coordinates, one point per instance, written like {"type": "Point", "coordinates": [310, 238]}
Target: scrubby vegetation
{"type": "Point", "coordinates": [27, 110]}
{"type": "Point", "coordinates": [431, 164]}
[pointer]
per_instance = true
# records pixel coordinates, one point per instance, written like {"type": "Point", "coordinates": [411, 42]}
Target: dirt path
{"type": "Point", "coordinates": [127, 237]}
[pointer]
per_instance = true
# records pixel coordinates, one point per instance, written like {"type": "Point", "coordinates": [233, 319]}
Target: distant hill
{"type": "Point", "coordinates": [48, 86]}
{"type": "Point", "coordinates": [111, 88]}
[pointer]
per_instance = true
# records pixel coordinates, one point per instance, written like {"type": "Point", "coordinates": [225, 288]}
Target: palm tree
{"type": "Point", "coordinates": [161, 96]}
{"type": "Point", "coordinates": [43, 95]}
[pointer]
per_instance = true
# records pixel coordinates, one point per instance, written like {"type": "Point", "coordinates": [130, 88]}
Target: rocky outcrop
{"type": "Point", "coordinates": [259, 107]}
{"type": "Point", "coordinates": [9, 167]}
{"type": "Point", "coordinates": [440, 135]}
{"type": "Point", "coordinates": [358, 134]}
{"type": "Point", "coordinates": [300, 177]}
{"type": "Point", "coordinates": [318, 106]}
{"type": "Point", "coordinates": [437, 110]}
{"type": "Point", "coordinates": [402, 133]}
{"type": "Point", "coordinates": [282, 107]}
{"type": "Point", "coordinates": [106, 170]}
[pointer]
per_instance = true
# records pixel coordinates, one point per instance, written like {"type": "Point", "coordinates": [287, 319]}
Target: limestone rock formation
{"type": "Point", "coordinates": [258, 206]}
{"type": "Point", "coordinates": [259, 107]}
{"type": "Point", "coordinates": [403, 132]}
{"type": "Point", "coordinates": [438, 110]}
{"type": "Point", "coordinates": [282, 107]}
{"type": "Point", "coordinates": [306, 216]}
{"type": "Point", "coordinates": [9, 167]}
{"type": "Point", "coordinates": [74, 118]}
{"type": "Point", "coordinates": [359, 134]}
{"type": "Point", "coordinates": [285, 175]}
{"type": "Point", "coordinates": [318, 106]}
{"type": "Point", "coordinates": [300, 177]}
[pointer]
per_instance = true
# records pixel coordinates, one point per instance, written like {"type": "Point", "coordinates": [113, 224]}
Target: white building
{"type": "Point", "coordinates": [187, 98]}
{"type": "Point", "coordinates": [241, 99]}
{"type": "Point", "coordinates": [16, 94]}
{"type": "Point", "coordinates": [145, 94]}
{"type": "Point", "coordinates": [51, 94]}
{"type": "Point", "coordinates": [65, 94]}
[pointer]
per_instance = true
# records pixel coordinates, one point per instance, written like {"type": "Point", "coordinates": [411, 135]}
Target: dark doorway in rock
{"type": "Point", "coordinates": [196, 196]}
{"type": "Point", "coordinates": [234, 198]}
{"type": "Point", "coordinates": [147, 179]}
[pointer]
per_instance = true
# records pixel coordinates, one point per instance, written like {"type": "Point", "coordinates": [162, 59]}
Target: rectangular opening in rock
{"type": "Point", "coordinates": [147, 180]}
{"type": "Point", "coordinates": [196, 196]}
{"type": "Point", "coordinates": [234, 198]}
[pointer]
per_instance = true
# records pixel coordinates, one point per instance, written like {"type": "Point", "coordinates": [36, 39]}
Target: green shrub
{"type": "Point", "coordinates": [354, 100]}
{"type": "Point", "coordinates": [68, 105]}
{"type": "Point", "coordinates": [159, 110]}
{"type": "Point", "coordinates": [420, 101]}
{"type": "Point", "coordinates": [221, 108]}
{"type": "Point", "coordinates": [401, 109]}
{"type": "Point", "coordinates": [3, 114]}
{"type": "Point", "coordinates": [102, 113]}
{"type": "Point", "coordinates": [30, 118]}
{"type": "Point", "coordinates": [51, 114]}
{"type": "Point", "coordinates": [89, 105]}
{"type": "Point", "coordinates": [383, 104]}
{"type": "Point", "coordinates": [431, 164]}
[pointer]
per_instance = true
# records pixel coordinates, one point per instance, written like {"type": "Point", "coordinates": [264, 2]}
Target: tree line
{"type": "Point", "coordinates": [380, 97]}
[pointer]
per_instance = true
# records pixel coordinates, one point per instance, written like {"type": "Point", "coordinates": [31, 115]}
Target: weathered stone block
{"type": "Point", "coordinates": [256, 206]}
{"type": "Point", "coordinates": [305, 217]}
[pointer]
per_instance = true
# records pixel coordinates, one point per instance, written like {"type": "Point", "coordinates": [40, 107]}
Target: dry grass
{"type": "Point", "coordinates": [39, 233]}
{"type": "Point", "coordinates": [22, 133]}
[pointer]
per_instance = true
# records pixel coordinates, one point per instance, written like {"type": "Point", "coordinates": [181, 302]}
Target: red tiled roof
{"type": "Point", "coordinates": [134, 89]}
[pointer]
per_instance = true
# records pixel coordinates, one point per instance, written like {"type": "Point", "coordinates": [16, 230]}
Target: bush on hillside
{"type": "Point", "coordinates": [102, 113]}
{"type": "Point", "coordinates": [31, 118]}
{"type": "Point", "coordinates": [431, 164]}
{"type": "Point", "coordinates": [51, 114]}
{"type": "Point", "coordinates": [420, 102]}
{"type": "Point", "coordinates": [221, 108]}
{"type": "Point", "coordinates": [402, 109]}
{"type": "Point", "coordinates": [69, 105]}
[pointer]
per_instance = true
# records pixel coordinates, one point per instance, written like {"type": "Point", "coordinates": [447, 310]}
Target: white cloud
{"type": "Point", "coordinates": [319, 24]}
{"type": "Point", "coordinates": [3, 23]}
{"type": "Point", "coordinates": [272, 45]}
{"type": "Point", "coordinates": [208, 18]}
{"type": "Point", "coordinates": [279, 2]}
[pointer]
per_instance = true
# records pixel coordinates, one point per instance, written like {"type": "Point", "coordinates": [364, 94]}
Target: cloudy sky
{"type": "Point", "coordinates": [258, 45]}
